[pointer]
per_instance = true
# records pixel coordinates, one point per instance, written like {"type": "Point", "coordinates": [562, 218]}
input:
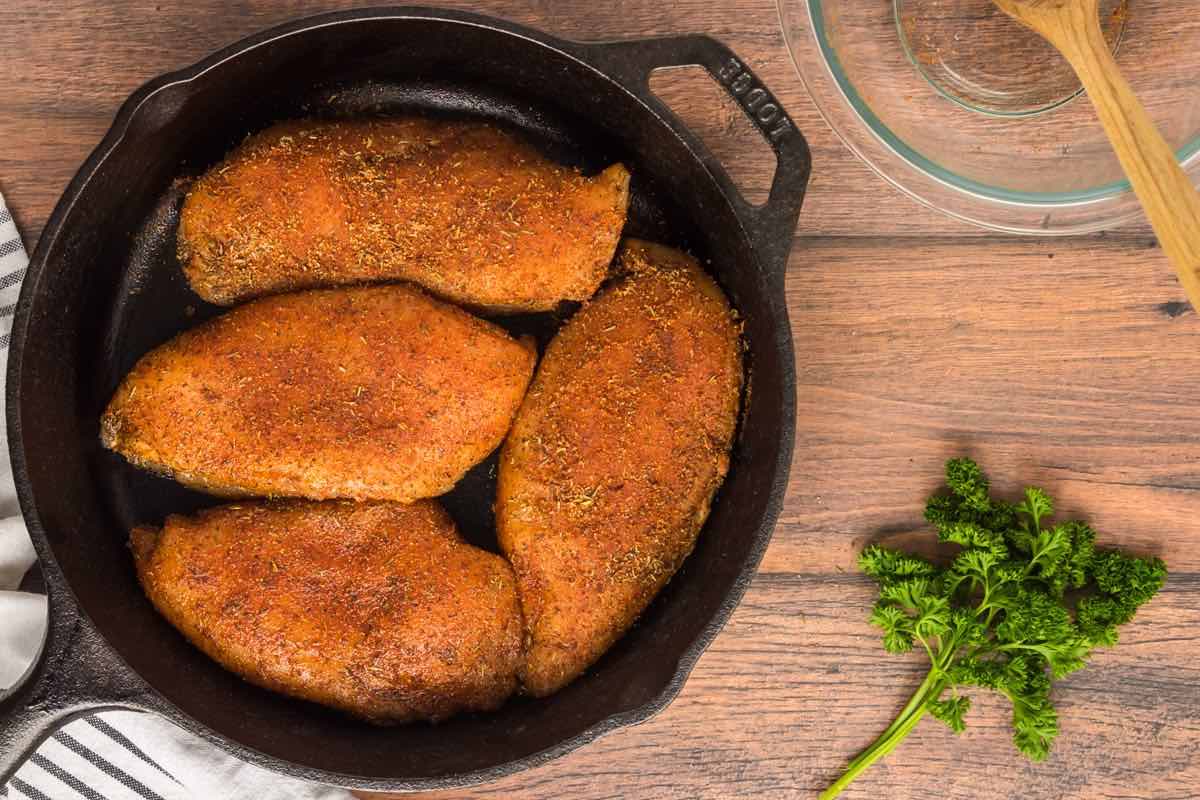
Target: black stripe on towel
{"type": "Point", "coordinates": [111, 770]}
{"type": "Point", "coordinates": [5, 216]}
{"type": "Point", "coordinates": [27, 790]}
{"type": "Point", "coordinates": [10, 247]}
{"type": "Point", "coordinates": [7, 310]}
{"type": "Point", "coordinates": [70, 780]}
{"type": "Point", "coordinates": [12, 278]}
{"type": "Point", "coordinates": [109, 730]}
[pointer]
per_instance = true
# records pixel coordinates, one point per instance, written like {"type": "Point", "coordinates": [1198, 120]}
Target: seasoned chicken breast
{"type": "Point", "coordinates": [376, 393]}
{"type": "Point", "coordinates": [464, 209]}
{"type": "Point", "coordinates": [612, 463]}
{"type": "Point", "coordinates": [377, 609]}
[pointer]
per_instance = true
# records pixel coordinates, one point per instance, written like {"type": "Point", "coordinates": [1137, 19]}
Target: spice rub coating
{"type": "Point", "coordinates": [464, 209]}
{"type": "Point", "coordinates": [611, 466]}
{"type": "Point", "coordinates": [377, 609]}
{"type": "Point", "coordinates": [375, 392]}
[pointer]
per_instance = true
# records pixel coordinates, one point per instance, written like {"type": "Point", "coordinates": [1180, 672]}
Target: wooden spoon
{"type": "Point", "coordinates": [1164, 189]}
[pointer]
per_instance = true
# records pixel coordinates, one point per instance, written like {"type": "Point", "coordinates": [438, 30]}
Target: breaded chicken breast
{"type": "Point", "coordinates": [464, 209]}
{"type": "Point", "coordinates": [379, 393]}
{"type": "Point", "coordinates": [609, 471]}
{"type": "Point", "coordinates": [377, 609]}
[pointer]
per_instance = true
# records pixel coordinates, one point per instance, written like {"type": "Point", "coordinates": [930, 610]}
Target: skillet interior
{"type": "Point", "coordinates": [111, 289]}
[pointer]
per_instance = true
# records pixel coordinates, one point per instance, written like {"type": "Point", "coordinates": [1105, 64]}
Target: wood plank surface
{"type": "Point", "coordinates": [1070, 363]}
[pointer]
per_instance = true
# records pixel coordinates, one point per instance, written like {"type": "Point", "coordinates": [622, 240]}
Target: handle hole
{"type": "Point", "coordinates": [708, 110]}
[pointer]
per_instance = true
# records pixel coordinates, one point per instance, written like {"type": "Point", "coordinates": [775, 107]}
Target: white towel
{"type": "Point", "coordinates": [115, 755]}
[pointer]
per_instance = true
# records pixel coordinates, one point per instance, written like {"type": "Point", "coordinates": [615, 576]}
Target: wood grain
{"type": "Point", "coordinates": [1074, 364]}
{"type": "Point", "coordinates": [1037, 357]}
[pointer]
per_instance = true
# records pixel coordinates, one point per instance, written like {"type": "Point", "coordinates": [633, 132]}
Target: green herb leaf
{"type": "Point", "coordinates": [1037, 504]}
{"type": "Point", "coordinates": [951, 711]}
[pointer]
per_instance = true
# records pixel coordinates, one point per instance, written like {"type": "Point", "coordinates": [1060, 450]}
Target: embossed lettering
{"type": "Point", "coordinates": [755, 98]}
{"type": "Point", "coordinates": [731, 70]}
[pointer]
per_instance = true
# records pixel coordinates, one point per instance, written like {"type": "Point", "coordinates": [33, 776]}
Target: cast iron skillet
{"type": "Point", "coordinates": [103, 287]}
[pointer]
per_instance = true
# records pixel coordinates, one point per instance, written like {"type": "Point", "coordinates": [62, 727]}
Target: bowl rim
{"type": "Point", "coordinates": [860, 129]}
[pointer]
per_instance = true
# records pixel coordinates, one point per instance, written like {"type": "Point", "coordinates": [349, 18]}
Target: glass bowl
{"type": "Point", "coordinates": [969, 113]}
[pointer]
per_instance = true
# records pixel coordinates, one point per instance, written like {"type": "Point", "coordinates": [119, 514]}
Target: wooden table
{"type": "Point", "coordinates": [1072, 364]}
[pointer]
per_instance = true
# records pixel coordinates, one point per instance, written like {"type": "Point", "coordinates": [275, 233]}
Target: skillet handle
{"type": "Point", "coordinates": [772, 225]}
{"type": "Point", "coordinates": [76, 673]}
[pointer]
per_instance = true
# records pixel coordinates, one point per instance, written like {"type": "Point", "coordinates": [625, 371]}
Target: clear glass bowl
{"type": "Point", "coordinates": [964, 110]}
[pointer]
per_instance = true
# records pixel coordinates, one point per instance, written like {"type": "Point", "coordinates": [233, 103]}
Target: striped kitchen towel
{"type": "Point", "coordinates": [12, 270]}
{"type": "Point", "coordinates": [116, 755]}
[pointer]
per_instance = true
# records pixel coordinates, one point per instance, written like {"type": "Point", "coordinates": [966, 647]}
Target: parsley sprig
{"type": "Point", "coordinates": [1022, 604]}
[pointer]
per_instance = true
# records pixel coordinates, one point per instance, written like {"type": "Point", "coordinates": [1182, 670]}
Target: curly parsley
{"type": "Point", "coordinates": [1022, 604]}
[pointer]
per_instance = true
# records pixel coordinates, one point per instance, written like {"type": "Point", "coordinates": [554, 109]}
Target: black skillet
{"type": "Point", "coordinates": [103, 287]}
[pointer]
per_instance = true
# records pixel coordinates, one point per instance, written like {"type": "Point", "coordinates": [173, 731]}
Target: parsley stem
{"type": "Point", "coordinates": [881, 748]}
{"type": "Point", "coordinates": [908, 718]}
{"type": "Point", "coordinates": [919, 697]}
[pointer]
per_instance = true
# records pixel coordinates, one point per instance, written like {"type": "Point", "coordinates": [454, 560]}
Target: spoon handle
{"type": "Point", "coordinates": [1164, 189]}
